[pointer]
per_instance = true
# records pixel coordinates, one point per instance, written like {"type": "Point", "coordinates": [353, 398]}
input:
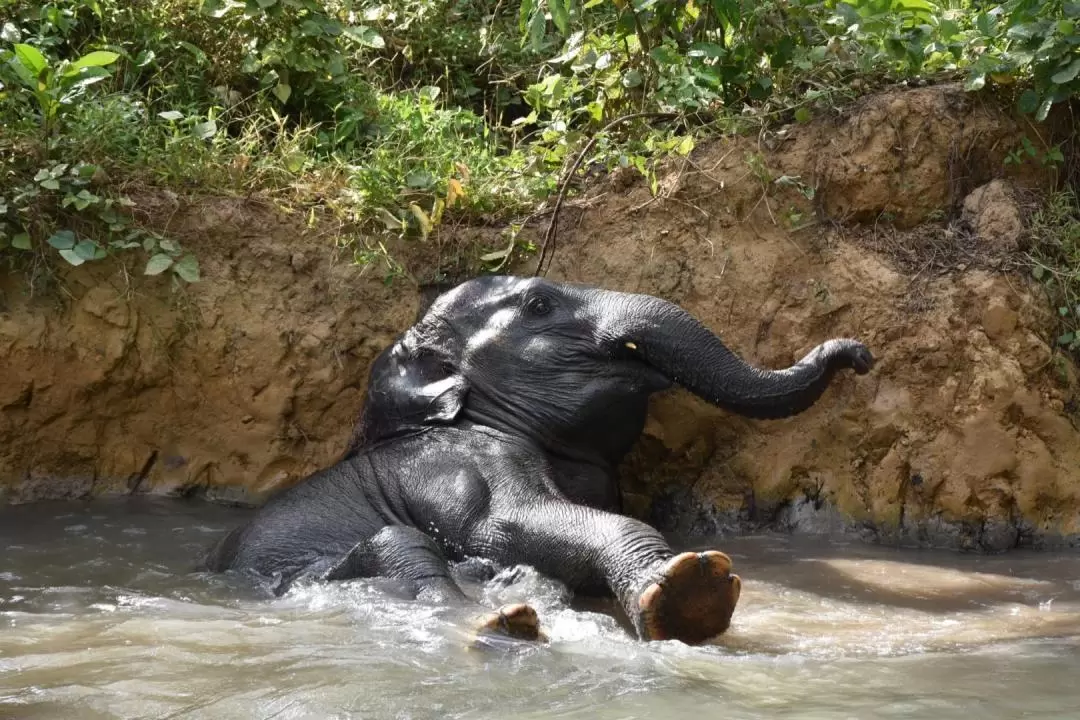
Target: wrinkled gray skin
{"type": "Point", "coordinates": [493, 428]}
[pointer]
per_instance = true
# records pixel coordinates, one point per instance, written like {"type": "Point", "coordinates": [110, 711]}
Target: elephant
{"type": "Point", "coordinates": [493, 427]}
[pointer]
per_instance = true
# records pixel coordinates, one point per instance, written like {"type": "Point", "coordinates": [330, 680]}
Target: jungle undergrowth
{"type": "Point", "coordinates": [404, 117]}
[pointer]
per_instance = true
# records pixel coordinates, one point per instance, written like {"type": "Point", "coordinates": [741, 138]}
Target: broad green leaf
{"type": "Point", "coordinates": [685, 146]}
{"type": "Point", "coordinates": [282, 92]}
{"type": "Point", "coordinates": [187, 268]}
{"type": "Point", "coordinates": [98, 58]}
{"type": "Point", "coordinates": [169, 246]}
{"type": "Point", "coordinates": [525, 13]}
{"type": "Point", "coordinates": [62, 240]}
{"type": "Point", "coordinates": [975, 81]}
{"type": "Point", "coordinates": [85, 79]}
{"type": "Point", "coordinates": [205, 130]}
{"type": "Point", "coordinates": [171, 115]}
{"type": "Point", "coordinates": [21, 241]}
{"type": "Point", "coordinates": [537, 29]}
{"type": "Point", "coordinates": [632, 78]}
{"type": "Point", "coordinates": [87, 250]}
{"type": "Point", "coordinates": [72, 257]}
{"type": "Point", "coordinates": [705, 49]}
{"type": "Point", "coordinates": [1066, 338]}
{"type": "Point", "coordinates": [1067, 74]}
{"type": "Point", "coordinates": [158, 264]}
{"type": "Point", "coordinates": [31, 58]}
{"type": "Point", "coordinates": [803, 115]}
{"type": "Point", "coordinates": [1028, 101]}
{"type": "Point", "coordinates": [560, 15]}
{"type": "Point", "coordinates": [364, 36]}
{"type": "Point", "coordinates": [266, 3]}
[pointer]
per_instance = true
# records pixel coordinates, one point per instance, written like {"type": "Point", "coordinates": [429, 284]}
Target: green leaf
{"type": "Point", "coordinates": [705, 49]}
{"type": "Point", "coordinates": [158, 264]}
{"type": "Point", "coordinates": [560, 15]}
{"type": "Point", "coordinates": [98, 58]}
{"type": "Point", "coordinates": [187, 268]}
{"type": "Point", "coordinates": [1028, 102]}
{"type": "Point", "coordinates": [62, 240]}
{"type": "Point", "coordinates": [1066, 338]}
{"type": "Point", "coordinates": [1038, 272]}
{"type": "Point", "coordinates": [364, 36]}
{"type": "Point", "coordinates": [632, 79]}
{"type": "Point", "coordinates": [89, 250]}
{"type": "Point", "coordinates": [525, 13]}
{"type": "Point", "coordinates": [975, 81]}
{"type": "Point", "coordinates": [1067, 74]}
{"type": "Point", "coordinates": [169, 246]}
{"type": "Point", "coordinates": [282, 91]}
{"type": "Point", "coordinates": [803, 115]}
{"type": "Point", "coordinates": [205, 130]}
{"type": "Point", "coordinates": [537, 30]}
{"type": "Point", "coordinates": [31, 58]}
{"type": "Point", "coordinates": [171, 115]}
{"type": "Point", "coordinates": [1044, 109]}
{"type": "Point", "coordinates": [685, 146]}
{"type": "Point", "coordinates": [72, 257]}
{"type": "Point", "coordinates": [50, 184]}
{"type": "Point", "coordinates": [21, 241]}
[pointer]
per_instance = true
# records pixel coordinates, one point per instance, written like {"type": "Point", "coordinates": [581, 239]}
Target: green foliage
{"type": "Point", "coordinates": [406, 114]}
{"type": "Point", "coordinates": [1036, 39]}
{"type": "Point", "coordinates": [1055, 262]}
{"type": "Point", "coordinates": [56, 86]}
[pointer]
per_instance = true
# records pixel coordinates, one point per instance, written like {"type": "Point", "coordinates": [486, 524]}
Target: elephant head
{"type": "Point", "coordinates": [570, 368]}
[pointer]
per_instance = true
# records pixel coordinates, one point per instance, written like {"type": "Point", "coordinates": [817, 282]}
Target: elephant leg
{"type": "Point", "coordinates": [688, 596]}
{"type": "Point", "coordinates": [405, 553]}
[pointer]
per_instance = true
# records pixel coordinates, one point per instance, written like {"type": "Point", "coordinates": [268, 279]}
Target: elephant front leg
{"type": "Point", "coordinates": [404, 553]}
{"type": "Point", "coordinates": [688, 596]}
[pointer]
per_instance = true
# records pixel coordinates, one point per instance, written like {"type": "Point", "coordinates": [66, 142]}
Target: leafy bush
{"type": "Point", "coordinates": [411, 111]}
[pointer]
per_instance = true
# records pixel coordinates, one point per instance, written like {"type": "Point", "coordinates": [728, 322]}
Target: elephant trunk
{"type": "Point", "coordinates": [671, 341]}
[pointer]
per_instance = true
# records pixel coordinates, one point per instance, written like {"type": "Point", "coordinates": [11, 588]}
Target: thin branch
{"type": "Point", "coordinates": [564, 186]}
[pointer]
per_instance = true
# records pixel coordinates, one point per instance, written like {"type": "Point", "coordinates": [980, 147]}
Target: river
{"type": "Point", "coordinates": [100, 617]}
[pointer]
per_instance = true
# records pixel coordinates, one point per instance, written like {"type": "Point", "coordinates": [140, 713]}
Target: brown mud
{"type": "Point", "coordinates": [897, 222]}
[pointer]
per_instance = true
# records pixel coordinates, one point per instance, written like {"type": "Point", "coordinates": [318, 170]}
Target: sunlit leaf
{"type": "Point", "coordinates": [158, 264]}
{"type": "Point", "coordinates": [98, 59]}
{"type": "Point", "coordinates": [31, 58]}
{"type": "Point", "coordinates": [187, 268]}
{"type": "Point", "coordinates": [62, 240]}
{"type": "Point", "coordinates": [72, 257]}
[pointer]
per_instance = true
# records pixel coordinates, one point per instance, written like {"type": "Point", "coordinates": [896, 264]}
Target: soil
{"type": "Point", "coordinates": [854, 225]}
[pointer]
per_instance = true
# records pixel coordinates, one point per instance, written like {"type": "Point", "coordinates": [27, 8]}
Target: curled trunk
{"type": "Point", "coordinates": [670, 340]}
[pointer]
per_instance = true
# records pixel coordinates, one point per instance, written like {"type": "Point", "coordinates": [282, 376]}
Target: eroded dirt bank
{"type": "Point", "coordinates": [960, 437]}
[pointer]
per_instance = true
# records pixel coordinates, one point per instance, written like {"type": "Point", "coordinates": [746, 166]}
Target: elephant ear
{"type": "Point", "coordinates": [409, 387]}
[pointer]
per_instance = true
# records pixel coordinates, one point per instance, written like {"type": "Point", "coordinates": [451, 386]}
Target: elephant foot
{"type": "Point", "coordinates": [692, 601]}
{"type": "Point", "coordinates": [511, 622]}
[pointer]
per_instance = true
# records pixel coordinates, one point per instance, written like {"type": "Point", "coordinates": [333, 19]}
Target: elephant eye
{"type": "Point", "coordinates": [538, 306]}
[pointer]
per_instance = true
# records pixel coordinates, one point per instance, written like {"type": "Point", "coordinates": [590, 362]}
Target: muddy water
{"type": "Point", "coordinates": [100, 618]}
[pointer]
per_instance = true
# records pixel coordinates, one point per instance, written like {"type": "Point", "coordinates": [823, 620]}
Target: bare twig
{"type": "Point", "coordinates": [564, 186]}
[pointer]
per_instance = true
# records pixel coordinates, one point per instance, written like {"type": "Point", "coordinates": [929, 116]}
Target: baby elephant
{"type": "Point", "coordinates": [493, 428]}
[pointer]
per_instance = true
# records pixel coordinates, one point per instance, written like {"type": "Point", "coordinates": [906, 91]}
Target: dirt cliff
{"type": "Point", "coordinates": [896, 222]}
